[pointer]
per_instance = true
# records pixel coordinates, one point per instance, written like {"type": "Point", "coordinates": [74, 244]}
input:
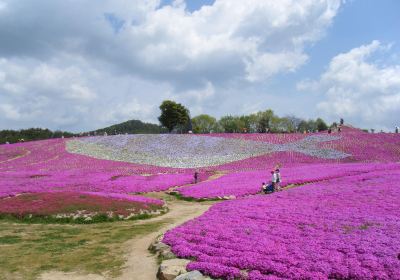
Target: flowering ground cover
{"type": "Point", "coordinates": [346, 228]}
{"type": "Point", "coordinates": [249, 183]}
{"type": "Point", "coordinates": [86, 205]}
{"type": "Point", "coordinates": [367, 147]}
{"type": "Point", "coordinates": [360, 145]}
{"type": "Point", "coordinates": [46, 167]}
{"type": "Point", "coordinates": [343, 225]}
{"type": "Point", "coordinates": [13, 182]}
{"type": "Point", "coordinates": [192, 151]}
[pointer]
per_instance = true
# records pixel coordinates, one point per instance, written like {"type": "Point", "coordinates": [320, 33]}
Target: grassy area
{"type": "Point", "coordinates": [27, 250]}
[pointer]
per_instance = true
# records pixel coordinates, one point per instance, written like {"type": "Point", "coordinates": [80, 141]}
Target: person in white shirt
{"type": "Point", "coordinates": [277, 178]}
{"type": "Point", "coordinates": [273, 179]}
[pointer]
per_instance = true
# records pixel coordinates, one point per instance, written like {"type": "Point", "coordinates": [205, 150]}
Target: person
{"type": "Point", "coordinates": [277, 178]}
{"type": "Point", "coordinates": [273, 179]}
{"type": "Point", "coordinates": [267, 188]}
{"type": "Point", "coordinates": [397, 129]}
{"type": "Point", "coordinates": [196, 176]}
{"type": "Point", "coordinates": [264, 187]}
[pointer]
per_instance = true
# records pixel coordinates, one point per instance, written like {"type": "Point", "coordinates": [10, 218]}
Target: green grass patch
{"type": "Point", "coordinates": [9, 239]}
{"type": "Point", "coordinates": [192, 199]}
{"type": "Point", "coordinates": [99, 218]}
{"type": "Point", "coordinates": [27, 250]}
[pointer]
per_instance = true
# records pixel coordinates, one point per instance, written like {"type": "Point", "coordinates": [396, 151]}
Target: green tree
{"type": "Point", "coordinates": [173, 115]}
{"type": "Point", "coordinates": [204, 124]}
{"type": "Point", "coordinates": [264, 120]}
{"type": "Point", "coordinates": [231, 124]}
{"type": "Point", "coordinates": [303, 126]}
{"type": "Point", "coordinates": [321, 125]}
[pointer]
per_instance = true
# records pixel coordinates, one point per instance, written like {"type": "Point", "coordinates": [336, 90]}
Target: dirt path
{"type": "Point", "coordinates": [141, 264]}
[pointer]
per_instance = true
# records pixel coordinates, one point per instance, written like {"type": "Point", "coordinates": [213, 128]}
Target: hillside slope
{"type": "Point", "coordinates": [131, 127]}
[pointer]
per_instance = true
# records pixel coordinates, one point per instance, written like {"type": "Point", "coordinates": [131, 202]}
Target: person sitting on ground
{"type": "Point", "coordinates": [267, 188]}
{"type": "Point", "coordinates": [264, 187]}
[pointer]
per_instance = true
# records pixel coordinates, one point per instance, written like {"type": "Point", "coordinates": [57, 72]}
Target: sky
{"type": "Point", "coordinates": [82, 65]}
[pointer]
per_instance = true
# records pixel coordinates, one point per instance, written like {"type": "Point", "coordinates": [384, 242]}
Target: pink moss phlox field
{"type": "Point", "coordinates": [249, 183]}
{"type": "Point", "coordinates": [362, 146]}
{"type": "Point", "coordinates": [53, 203]}
{"type": "Point", "coordinates": [346, 228]}
{"type": "Point", "coordinates": [43, 166]}
{"type": "Point", "coordinates": [367, 147]}
{"type": "Point", "coordinates": [127, 197]}
{"type": "Point", "coordinates": [13, 182]}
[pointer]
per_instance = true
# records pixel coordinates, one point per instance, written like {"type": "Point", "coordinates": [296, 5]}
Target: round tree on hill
{"type": "Point", "coordinates": [173, 115]}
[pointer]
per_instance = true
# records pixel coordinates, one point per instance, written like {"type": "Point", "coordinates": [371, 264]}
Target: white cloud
{"type": "Point", "coordinates": [358, 88]}
{"type": "Point", "coordinates": [10, 112]}
{"type": "Point", "coordinates": [71, 56]}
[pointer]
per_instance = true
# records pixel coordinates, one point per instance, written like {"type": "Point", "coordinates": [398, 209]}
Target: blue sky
{"type": "Point", "coordinates": [358, 22]}
{"type": "Point", "coordinates": [78, 67]}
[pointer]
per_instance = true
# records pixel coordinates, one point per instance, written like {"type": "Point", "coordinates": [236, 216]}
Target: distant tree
{"type": "Point", "coordinates": [231, 124]}
{"type": "Point", "coordinates": [264, 119]}
{"type": "Point", "coordinates": [173, 115]}
{"type": "Point", "coordinates": [303, 126]}
{"type": "Point", "coordinates": [321, 125]}
{"type": "Point", "coordinates": [294, 123]}
{"type": "Point", "coordinates": [312, 125]}
{"type": "Point", "coordinates": [276, 125]}
{"type": "Point", "coordinates": [30, 134]}
{"type": "Point", "coordinates": [204, 124]}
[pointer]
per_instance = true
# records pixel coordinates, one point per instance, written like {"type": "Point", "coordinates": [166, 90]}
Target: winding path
{"type": "Point", "coordinates": [141, 264]}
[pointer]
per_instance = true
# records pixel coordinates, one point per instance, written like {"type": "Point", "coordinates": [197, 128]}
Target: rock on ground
{"type": "Point", "coordinates": [192, 275]}
{"type": "Point", "coordinates": [170, 269]}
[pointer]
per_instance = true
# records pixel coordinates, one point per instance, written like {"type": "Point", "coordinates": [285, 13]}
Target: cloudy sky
{"type": "Point", "coordinates": [80, 65]}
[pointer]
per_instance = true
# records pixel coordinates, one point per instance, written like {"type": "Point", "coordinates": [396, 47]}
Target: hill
{"type": "Point", "coordinates": [131, 127]}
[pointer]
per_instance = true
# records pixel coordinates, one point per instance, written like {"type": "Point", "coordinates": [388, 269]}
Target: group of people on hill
{"type": "Point", "coordinates": [275, 184]}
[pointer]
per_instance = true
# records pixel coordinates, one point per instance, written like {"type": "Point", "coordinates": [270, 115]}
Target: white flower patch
{"type": "Point", "coordinates": [191, 151]}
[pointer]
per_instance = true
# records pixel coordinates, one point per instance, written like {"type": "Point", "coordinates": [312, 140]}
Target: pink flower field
{"type": "Point", "coordinates": [45, 167]}
{"type": "Point", "coordinates": [336, 218]}
{"type": "Point", "coordinates": [346, 228]}
{"type": "Point", "coordinates": [249, 183]}
{"type": "Point", "coordinates": [79, 204]}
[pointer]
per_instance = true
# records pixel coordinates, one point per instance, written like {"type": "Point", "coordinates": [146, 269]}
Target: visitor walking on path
{"type": "Point", "coordinates": [196, 176]}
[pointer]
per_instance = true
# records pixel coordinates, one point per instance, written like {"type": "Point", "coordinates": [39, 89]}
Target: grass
{"type": "Point", "coordinates": [27, 250]}
{"type": "Point", "coordinates": [99, 218]}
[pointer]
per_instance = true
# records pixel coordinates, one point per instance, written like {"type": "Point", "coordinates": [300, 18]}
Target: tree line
{"type": "Point", "coordinates": [30, 134]}
{"type": "Point", "coordinates": [176, 118]}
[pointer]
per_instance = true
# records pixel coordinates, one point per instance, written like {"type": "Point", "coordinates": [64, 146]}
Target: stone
{"type": "Point", "coordinates": [158, 246]}
{"type": "Point", "coordinates": [162, 250]}
{"type": "Point", "coordinates": [192, 275]}
{"type": "Point", "coordinates": [167, 254]}
{"type": "Point", "coordinates": [170, 269]}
